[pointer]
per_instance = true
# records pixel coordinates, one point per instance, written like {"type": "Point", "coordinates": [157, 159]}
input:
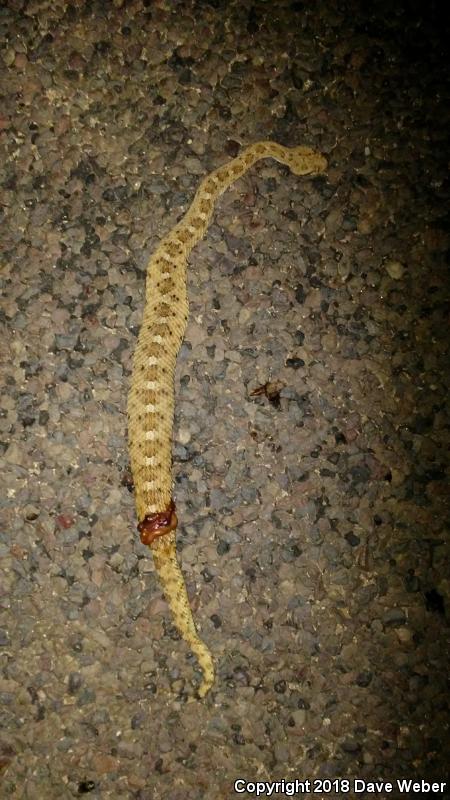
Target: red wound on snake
{"type": "Point", "coordinates": [155, 525]}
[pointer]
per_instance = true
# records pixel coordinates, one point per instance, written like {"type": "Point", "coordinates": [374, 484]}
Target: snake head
{"type": "Point", "coordinates": [304, 161]}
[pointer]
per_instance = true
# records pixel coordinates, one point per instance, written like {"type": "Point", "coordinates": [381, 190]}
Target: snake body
{"type": "Point", "coordinates": [151, 396]}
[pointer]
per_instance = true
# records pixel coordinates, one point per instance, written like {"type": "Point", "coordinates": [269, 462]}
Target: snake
{"type": "Point", "coordinates": [151, 397]}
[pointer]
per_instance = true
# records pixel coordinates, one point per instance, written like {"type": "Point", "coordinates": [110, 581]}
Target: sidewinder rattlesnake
{"type": "Point", "coordinates": [151, 396]}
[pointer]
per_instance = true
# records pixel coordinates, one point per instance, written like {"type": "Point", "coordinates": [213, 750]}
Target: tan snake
{"type": "Point", "coordinates": [151, 396]}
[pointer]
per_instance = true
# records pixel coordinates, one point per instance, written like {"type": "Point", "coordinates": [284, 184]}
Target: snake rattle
{"type": "Point", "coordinates": [151, 396]}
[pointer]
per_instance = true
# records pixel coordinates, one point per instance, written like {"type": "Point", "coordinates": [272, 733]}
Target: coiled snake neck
{"type": "Point", "coordinates": [151, 396]}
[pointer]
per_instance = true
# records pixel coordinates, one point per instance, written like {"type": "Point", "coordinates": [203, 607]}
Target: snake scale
{"type": "Point", "coordinates": [151, 396]}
